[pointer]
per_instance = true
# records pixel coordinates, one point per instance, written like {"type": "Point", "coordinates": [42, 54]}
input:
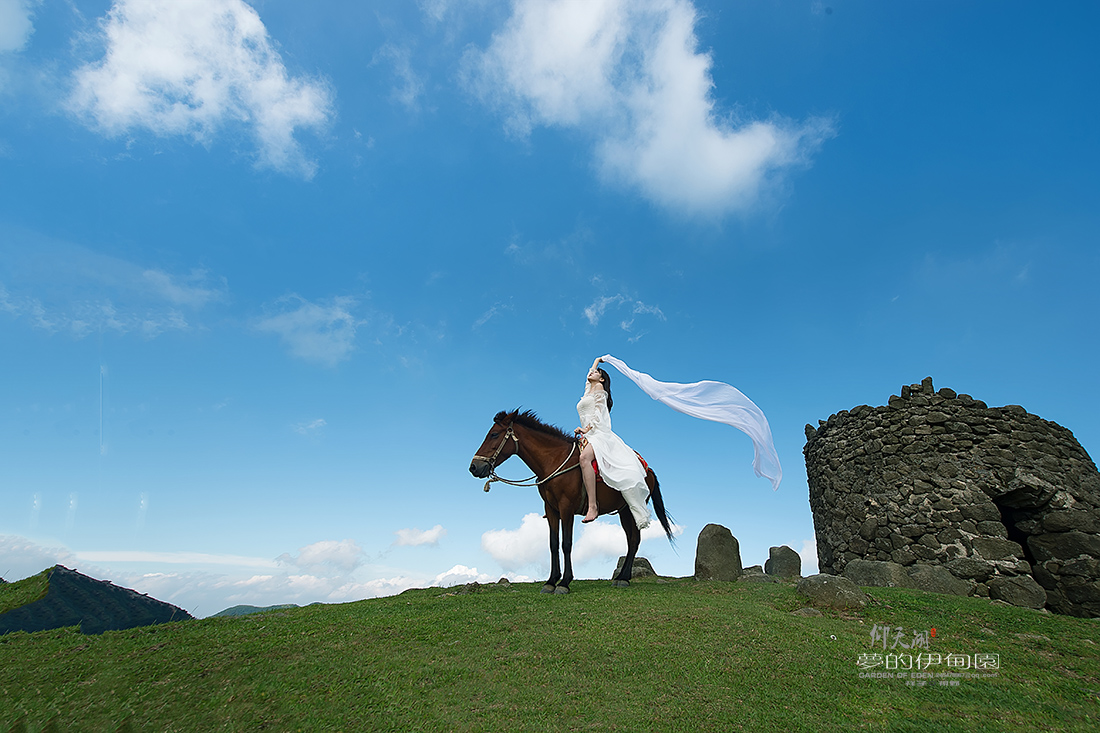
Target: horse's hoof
{"type": "Point", "coordinates": [620, 583]}
{"type": "Point", "coordinates": [548, 588]}
{"type": "Point", "coordinates": [561, 590]}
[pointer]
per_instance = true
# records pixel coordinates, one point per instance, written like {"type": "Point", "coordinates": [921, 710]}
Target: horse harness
{"type": "Point", "coordinates": [533, 480]}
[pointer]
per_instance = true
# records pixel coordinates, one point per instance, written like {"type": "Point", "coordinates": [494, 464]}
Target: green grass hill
{"type": "Point", "coordinates": [58, 597]}
{"type": "Point", "coordinates": [664, 654]}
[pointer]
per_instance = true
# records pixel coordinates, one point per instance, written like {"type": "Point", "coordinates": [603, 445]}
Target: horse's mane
{"type": "Point", "coordinates": [530, 420]}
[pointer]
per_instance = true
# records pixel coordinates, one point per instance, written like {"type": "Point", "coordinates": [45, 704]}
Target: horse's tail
{"type": "Point", "coordinates": [659, 508]}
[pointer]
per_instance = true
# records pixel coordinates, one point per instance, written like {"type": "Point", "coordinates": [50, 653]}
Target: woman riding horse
{"type": "Point", "coordinates": [619, 466]}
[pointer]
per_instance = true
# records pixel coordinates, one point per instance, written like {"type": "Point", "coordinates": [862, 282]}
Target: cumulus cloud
{"type": "Point", "coordinates": [629, 73]}
{"type": "Point", "coordinates": [516, 549]}
{"type": "Point", "coordinates": [344, 556]}
{"type": "Point", "coordinates": [16, 24]}
{"type": "Point", "coordinates": [194, 67]}
{"type": "Point", "coordinates": [323, 333]}
{"type": "Point", "coordinates": [414, 537]}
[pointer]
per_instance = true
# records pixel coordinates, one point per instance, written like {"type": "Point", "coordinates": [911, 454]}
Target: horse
{"type": "Point", "coordinates": [554, 456]}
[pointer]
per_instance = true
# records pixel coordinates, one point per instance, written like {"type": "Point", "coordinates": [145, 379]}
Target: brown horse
{"type": "Point", "coordinates": [554, 456]}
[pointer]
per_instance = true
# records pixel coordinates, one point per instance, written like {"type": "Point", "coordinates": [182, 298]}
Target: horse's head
{"type": "Point", "coordinates": [499, 445]}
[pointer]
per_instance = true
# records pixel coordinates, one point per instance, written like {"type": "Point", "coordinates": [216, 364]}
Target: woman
{"type": "Point", "coordinates": [620, 467]}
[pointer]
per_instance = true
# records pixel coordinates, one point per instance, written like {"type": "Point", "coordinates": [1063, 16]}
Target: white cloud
{"type": "Point", "coordinates": [172, 558]}
{"type": "Point", "coordinates": [310, 428]}
{"type": "Point", "coordinates": [410, 87]}
{"type": "Point", "coordinates": [515, 549]}
{"type": "Point", "coordinates": [21, 558]}
{"type": "Point", "coordinates": [16, 24]}
{"type": "Point", "coordinates": [193, 291]}
{"type": "Point", "coordinates": [414, 537]}
{"type": "Point", "coordinates": [60, 287]}
{"type": "Point", "coordinates": [343, 556]}
{"type": "Point", "coordinates": [193, 67]}
{"type": "Point", "coordinates": [808, 553]}
{"type": "Point", "coordinates": [320, 333]}
{"type": "Point", "coordinates": [629, 73]}
{"type": "Point", "coordinates": [602, 304]}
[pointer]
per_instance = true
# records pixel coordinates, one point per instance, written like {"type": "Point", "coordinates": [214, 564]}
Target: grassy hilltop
{"type": "Point", "coordinates": [661, 655]}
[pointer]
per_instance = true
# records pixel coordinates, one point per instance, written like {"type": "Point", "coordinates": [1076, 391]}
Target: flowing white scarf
{"type": "Point", "coordinates": [719, 402]}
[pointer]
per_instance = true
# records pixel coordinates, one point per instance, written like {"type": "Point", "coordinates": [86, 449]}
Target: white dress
{"type": "Point", "coordinates": [620, 467]}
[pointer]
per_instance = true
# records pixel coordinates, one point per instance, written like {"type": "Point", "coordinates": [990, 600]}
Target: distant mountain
{"type": "Point", "coordinates": [74, 599]}
{"type": "Point", "coordinates": [246, 610]}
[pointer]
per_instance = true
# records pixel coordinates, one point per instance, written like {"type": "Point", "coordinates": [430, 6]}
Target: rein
{"type": "Point", "coordinates": [533, 480]}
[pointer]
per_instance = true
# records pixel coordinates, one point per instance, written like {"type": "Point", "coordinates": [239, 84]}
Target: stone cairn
{"type": "Point", "coordinates": [999, 497]}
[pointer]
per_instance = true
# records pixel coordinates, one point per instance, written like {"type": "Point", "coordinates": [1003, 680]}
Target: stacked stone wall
{"type": "Point", "coordinates": [1000, 497]}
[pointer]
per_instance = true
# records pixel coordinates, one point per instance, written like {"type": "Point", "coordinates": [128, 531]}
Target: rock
{"type": "Point", "coordinates": [641, 568]}
{"type": "Point", "coordinates": [937, 579]}
{"type": "Point", "coordinates": [783, 562]}
{"type": "Point", "coordinates": [877, 573]}
{"type": "Point", "coordinates": [754, 569]}
{"type": "Point", "coordinates": [807, 612]}
{"type": "Point", "coordinates": [832, 592]}
{"type": "Point", "coordinates": [504, 581]}
{"type": "Point", "coordinates": [970, 568]}
{"type": "Point", "coordinates": [1020, 590]}
{"type": "Point", "coordinates": [1063, 545]}
{"type": "Point", "coordinates": [717, 554]}
{"type": "Point", "coordinates": [757, 578]}
{"type": "Point", "coordinates": [996, 548]}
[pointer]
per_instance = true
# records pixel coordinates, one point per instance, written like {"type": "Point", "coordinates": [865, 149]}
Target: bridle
{"type": "Point", "coordinates": [533, 480]}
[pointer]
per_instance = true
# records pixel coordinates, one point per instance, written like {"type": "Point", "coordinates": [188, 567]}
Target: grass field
{"type": "Point", "coordinates": [661, 655]}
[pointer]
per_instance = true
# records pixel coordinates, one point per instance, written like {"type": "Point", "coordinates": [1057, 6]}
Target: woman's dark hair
{"type": "Point", "coordinates": [605, 378]}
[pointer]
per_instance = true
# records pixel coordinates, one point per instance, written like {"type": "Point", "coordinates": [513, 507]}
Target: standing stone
{"type": "Point", "coordinates": [784, 562]}
{"type": "Point", "coordinates": [717, 554]}
{"type": "Point", "coordinates": [641, 568]}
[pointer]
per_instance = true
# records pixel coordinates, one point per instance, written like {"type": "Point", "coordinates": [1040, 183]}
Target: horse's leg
{"type": "Point", "coordinates": [566, 551]}
{"type": "Point", "coordinates": [552, 519]}
{"type": "Point", "coordinates": [633, 539]}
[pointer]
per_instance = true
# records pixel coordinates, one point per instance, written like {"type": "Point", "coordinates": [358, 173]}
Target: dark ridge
{"type": "Point", "coordinates": [74, 599]}
{"type": "Point", "coordinates": [530, 420]}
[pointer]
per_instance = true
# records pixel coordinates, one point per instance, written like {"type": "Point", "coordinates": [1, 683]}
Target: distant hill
{"type": "Point", "coordinates": [246, 610]}
{"type": "Point", "coordinates": [60, 597]}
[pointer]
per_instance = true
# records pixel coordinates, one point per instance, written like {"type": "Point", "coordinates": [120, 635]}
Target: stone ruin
{"type": "Point", "coordinates": [1006, 501]}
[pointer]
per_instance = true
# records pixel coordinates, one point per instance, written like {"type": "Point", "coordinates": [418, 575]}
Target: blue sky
{"type": "Point", "coordinates": [267, 271]}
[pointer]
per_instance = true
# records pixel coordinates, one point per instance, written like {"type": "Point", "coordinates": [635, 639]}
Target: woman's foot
{"type": "Point", "coordinates": [593, 513]}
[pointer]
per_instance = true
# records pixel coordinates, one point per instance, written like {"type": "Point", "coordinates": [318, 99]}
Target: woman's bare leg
{"type": "Point", "coordinates": [589, 483]}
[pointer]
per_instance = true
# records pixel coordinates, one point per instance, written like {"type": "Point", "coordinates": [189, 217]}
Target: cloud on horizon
{"type": "Point", "coordinates": [194, 68]}
{"type": "Point", "coordinates": [629, 74]}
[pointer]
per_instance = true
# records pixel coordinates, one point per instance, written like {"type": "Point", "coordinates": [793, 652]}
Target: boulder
{"type": "Point", "coordinates": [877, 573]}
{"type": "Point", "coordinates": [717, 554]}
{"type": "Point", "coordinates": [937, 579]}
{"type": "Point", "coordinates": [1019, 590]}
{"type": "Point", "coordinates": [783, 562]}
{"type": "Point", "coordinates": [641, 568]}
{"type": "Point", "coordinates": [832, 591]}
